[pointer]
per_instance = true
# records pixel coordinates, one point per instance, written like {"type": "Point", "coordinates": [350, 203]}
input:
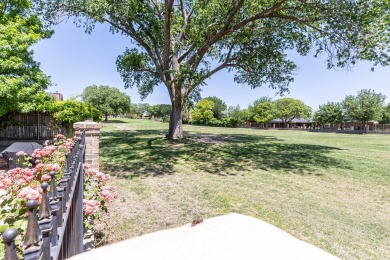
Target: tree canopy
{"type": "Point", "coordinates": [219, 107]}
{"type": "Point", "coordinates": [109, 100]}
{"type": "Point", "coordinates": [160, 111]}
{"type": "Point", "coordinates": [330, 112]}
{"type": "Point", "coordinates": [181, 43]}
{"type": "Point", "coordinates": [203, 112]}
{"type": "Point", "coordinates": [365, 106]}
{"type": "Point", "coordinates": [262, 110]}
{"type": "Point", "coordinates": [289, 108]}
{"type": "Point", "coordinates": [21, 80]}
{"type": "Point", "coordinates": [386, 115]}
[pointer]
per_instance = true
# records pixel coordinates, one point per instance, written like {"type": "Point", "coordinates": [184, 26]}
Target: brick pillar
{"type": "Point", "coordinates": [92, 132]}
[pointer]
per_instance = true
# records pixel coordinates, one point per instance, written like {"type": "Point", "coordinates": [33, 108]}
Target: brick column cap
{"type": "Point", "coordinates": [87, 125]}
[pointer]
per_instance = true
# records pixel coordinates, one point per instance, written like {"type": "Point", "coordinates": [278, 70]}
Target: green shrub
{"type": "Point", "coordinates": [230, 122]}
{"type": "Point", "coordinates": [70, 111]}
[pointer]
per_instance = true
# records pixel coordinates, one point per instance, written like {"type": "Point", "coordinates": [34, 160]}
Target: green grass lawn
{"type": "Point", "coordinates": [331, 190]}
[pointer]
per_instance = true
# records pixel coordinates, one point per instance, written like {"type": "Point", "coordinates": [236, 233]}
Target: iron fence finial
{"type": "Point", "coordinates": [33, 233]}
{"type": "Point", "coordinates": [9, 238]}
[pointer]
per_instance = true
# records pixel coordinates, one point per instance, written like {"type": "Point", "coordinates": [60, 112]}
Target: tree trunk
{"type": "Point", "coordinates": [106, 116]}
{"type": "Point", "coordinates": [175, 120]}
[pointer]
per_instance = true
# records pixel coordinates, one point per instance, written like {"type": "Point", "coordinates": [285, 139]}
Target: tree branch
{"type": "Point", "coordinates": [186, 19]}
{"type": "Point", "coordinates": [167, 29]}
{"type": "Point", "coordinates": [227, 63]}
{"type": "Point", "coordinates": [147, 70]}
{"type": "Point", "coordinates": [198, 56]}
{"type": "Point", "coordinates": [233, 14]}
{"type": "Point", "coordinates": [185, 54]}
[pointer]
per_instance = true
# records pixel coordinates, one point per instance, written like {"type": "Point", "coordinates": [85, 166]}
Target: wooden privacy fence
{"type": "Point", "coordinates": [57, 231]}
{"type": "Point", "coordinates": [33, 126]}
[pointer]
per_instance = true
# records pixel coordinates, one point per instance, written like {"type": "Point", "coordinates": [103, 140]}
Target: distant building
{"type": "Point", "coordinates": [295, 123]}
{"type": "Point", "coordinates": [57, 96]}
{"type": "Point", "coordinates": [146, 115]}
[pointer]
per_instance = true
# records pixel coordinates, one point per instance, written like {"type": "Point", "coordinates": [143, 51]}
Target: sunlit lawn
{"type": "Point", "coordinates": [332, 190]}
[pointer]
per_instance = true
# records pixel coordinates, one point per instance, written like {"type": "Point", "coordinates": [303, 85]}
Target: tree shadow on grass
{"type": "Point", "coordinates": [147, 153]}
{"type": "Point", "coordinates": [115, 121]}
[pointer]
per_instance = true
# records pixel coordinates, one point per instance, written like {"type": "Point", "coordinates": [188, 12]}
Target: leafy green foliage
{"type": "Point", "coordinates": [289, 108]}
{"type": "Point", "coordinates": [330, 112]}
{"type": "Point", "coordinates": [386, 115]}
{"type": "Point", "coordinates": [162, 111]}
{"type": "Point", "coordinates": [262, 110]}
{"type": "Point", "coordinates": [71, 111]}
{"type": "Point", "coordinates": [109, 100]}
{"type": "Point", "coordinates": [365, 106]}
{"type": "Point", "coordinates": [21, 80]}
{"type": "Point", "coordinates": [203, 113]}
{"type": "Point", "coordinates": [219, 107]}
{"type": "Point", "coordinates": [177, 40]}
{"type": "Point", "coordinates": [137, 110]}
{"type": "Point", "coordinates": [236, 116]}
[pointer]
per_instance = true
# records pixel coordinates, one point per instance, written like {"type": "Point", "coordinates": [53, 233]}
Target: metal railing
{"type": "Point", "coordinates": [57, 231]}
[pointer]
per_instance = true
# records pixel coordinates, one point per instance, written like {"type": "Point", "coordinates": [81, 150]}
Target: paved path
{"type": "Point", "coordinates": [231, 236]}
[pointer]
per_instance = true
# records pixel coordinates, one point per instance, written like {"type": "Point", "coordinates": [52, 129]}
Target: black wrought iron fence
{"type": "Point", "coordinates": [56, 232]}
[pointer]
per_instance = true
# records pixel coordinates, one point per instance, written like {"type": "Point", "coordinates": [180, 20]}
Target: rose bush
{"type": "Point", "coordinates": [19, 185]}
{"type": "Point", "coordinates": [96, 194]}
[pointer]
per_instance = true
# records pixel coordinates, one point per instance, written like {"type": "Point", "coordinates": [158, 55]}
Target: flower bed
{"type": "Point", "coordinates": [19, 185]}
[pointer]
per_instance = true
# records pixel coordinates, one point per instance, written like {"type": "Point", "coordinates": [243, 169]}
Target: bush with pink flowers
{"type": "Point", "coordinates": [96, 194]}
{"type": "Point", "coordinates": [19, 185]}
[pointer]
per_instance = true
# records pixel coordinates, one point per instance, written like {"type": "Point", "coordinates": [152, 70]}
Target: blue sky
{"type": "Point", "coordinates": [75, 60]}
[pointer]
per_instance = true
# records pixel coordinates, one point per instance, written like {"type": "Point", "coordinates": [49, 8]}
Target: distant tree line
{"type": "Point", "coordinates": [366, 106]}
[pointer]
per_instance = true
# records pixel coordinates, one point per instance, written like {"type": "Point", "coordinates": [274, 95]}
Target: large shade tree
{"type": "Point", "coordinates": [109, 100]}
{"type": "Point", "coordinates": [287, 109]}
{"type": "Point", "coordinates": [21, 80]}
{"type": "Point", "coordinates": [331, 112]}
{"type": "Point", "coordinates": [365, 106]}
{"type": "Point", "coordinates": [181, 43]}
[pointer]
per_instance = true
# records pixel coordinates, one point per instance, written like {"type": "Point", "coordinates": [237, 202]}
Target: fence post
{"type": "Point", "coordinates": [92, 132]}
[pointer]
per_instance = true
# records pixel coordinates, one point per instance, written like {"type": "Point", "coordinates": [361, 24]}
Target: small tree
{"type": "Point", "coordinates": [330, 112]}
{"type": "Point", "coordinates": [203, 112]}
{"type": "Point", "coordinates": [289, 108]}
{"type": "Point", "coordinates": [160, 111]}
{"type": "Point", "coordinates": [262, 110]}
{"type": "Point", "coordinates": [109, 100]}
{"type": "Point", "coordinates": [219, 107]}
{"type": "Point", "coordinates": [366, 106]}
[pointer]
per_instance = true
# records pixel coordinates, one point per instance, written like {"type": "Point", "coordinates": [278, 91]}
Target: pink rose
{"type": "Point", "coordinates": [15, 171]}
{"type": "Point", "coordinates": [5, 183]}
{"type": "Point", "coordinates": [21, 153]}
{"type": "Point", "coordinates": [29, 194]}
{"type": "Point", "coordinates": [90, 206]}
{"type": "Point", "coordinates": [45, 177]}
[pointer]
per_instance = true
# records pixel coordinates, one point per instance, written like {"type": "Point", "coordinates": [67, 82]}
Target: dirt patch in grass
{"type": "Point", "coordinates": [209, 138]}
